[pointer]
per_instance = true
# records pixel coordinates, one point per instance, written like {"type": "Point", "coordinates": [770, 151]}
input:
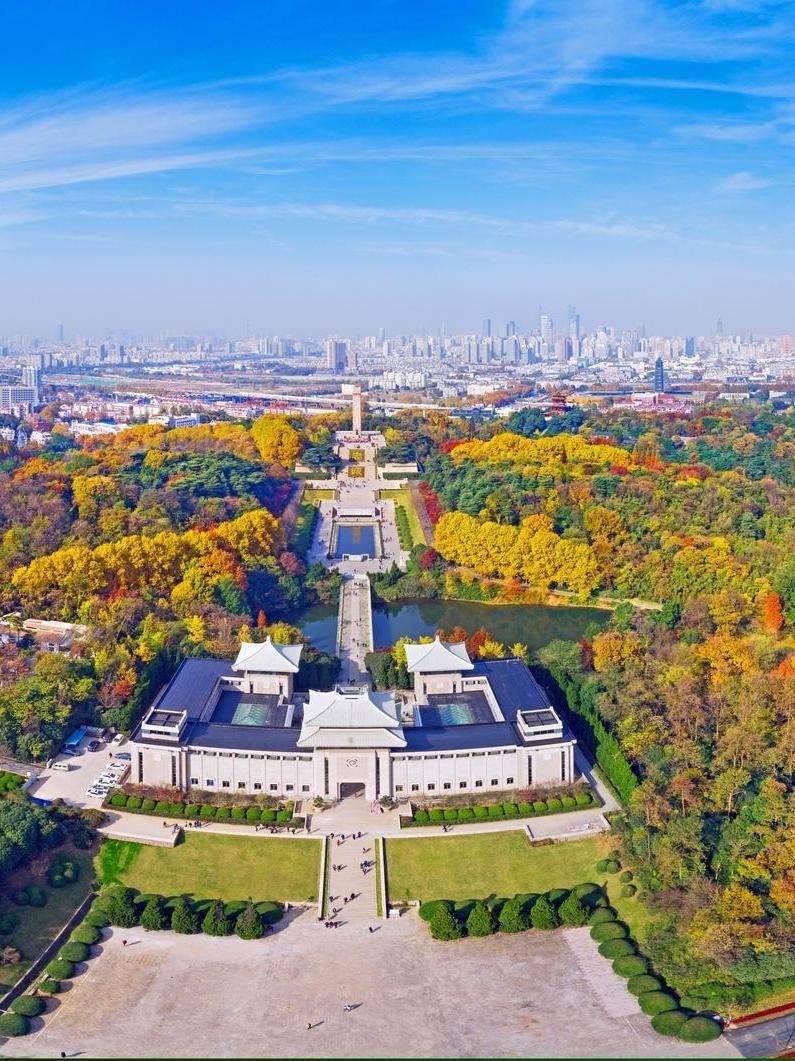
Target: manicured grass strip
{"type": "Point", "coordinates": [379, 854]}
{"type": "Point", "coordinates": [218, 867]}
{"type": "Point", "coordinates": [404, 500]}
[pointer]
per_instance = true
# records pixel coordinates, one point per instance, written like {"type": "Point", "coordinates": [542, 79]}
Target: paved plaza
{"type": "Point", "coordinates": [530, 995]}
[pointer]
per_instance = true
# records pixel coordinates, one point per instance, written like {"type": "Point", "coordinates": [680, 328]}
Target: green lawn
{"type": "Point", "coordinates": [216, 867]}
{"type": "Point", "coordinates": [313, 497]}
{"type": "Point", "coordinates": [403, 497]}
{"type": "Point", "coordinates": [500, 864]}
{"type": "Point", "coordinates": [38, 925]}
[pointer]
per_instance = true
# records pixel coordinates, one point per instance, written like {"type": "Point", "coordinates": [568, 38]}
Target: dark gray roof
{"type": "Point", "coordinates": [190, 688]}
{"type": "Point", "coordinates": [244, 738]}
{"type": "Point", "coordinates": [513, 685]}
{"type": "Point", "coordinates": [460, 738]}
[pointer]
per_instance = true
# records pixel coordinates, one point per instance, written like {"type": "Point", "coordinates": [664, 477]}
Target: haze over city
{"type": "Point", "coordinates": [300, 168]}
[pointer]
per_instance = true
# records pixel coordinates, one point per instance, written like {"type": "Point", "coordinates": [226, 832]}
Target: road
{"type": "Point", "coordinates": [767, 1038]}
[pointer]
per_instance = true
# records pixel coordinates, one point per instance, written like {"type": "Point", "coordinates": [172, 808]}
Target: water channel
{"type": "Point", "coordinates": [534, 625]}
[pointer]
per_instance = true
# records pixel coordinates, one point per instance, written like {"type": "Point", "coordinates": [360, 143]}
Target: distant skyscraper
{"type": "Point", "coordinates": [690, 346]}
{"type": "Point", "coordinates": [31, 377]}
{"type": "Point", "coordinates": [335, 351]}
{"type": "Point", "coordinates": [510, 329]}
{"type": "Point", "coordinates": [546, 328]}
{"type": "Point", "coordinates": [486, 329]}
{"type": "Point", "coordinates": [60, 333]}
{"type": "Point", "coordinates": [659, 376]}
{"type": "Point", "coordinates": [719, 327]}
{"type": "Point", "coordinates": [573, 320]}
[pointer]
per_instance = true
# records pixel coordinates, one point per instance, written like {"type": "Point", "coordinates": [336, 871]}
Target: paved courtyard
{"type": "Point", "coordinates": [531, 995]}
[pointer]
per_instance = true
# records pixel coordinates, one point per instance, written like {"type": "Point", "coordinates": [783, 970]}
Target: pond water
{"type": "Point", "coordinates": [355, 541]}
{"type": "Point", "coordinates": [534, 625]}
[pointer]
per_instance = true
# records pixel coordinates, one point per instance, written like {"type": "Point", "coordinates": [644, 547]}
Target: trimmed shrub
{"type": "Point", "coordinates": [480, 921]}
{"type": "Point", "coordinates": [631, 965]}
{"type": "Point", "coordinates": [557, 895]}
{"type": "Point", "coordinates": [50, 986]}
{"type": "Point", "coordinates": [669, 1022]}
{"type": "Point", "coordinates": [8, 922]}
{"type": "Point", "coordinates": [436, 815]}
{"type": "Point", "coordinates": [608, 930]}
{"type": "Point", "coordinates": [118, 799]}
{"type": "Point", "coordinates": [427, 910]}
{"type": "Point", "coordinates": [584, 799]}
{"type": "Point", "coordinates": [543, 914]}
{"type": "Point", "coordinates": [268, 815]}
{"type": "Point", "coordinates": [208, 811]}
{"type": "Point", "coordinates": [628, 891]}
{"type": "Point", "coordinates": [601, 865]}
{"type": "Point", "coordinates": [526, 809]}
{"type": "Point", "coordinates": [163, 806]}
{"type": "Point", "coordinates": [134, 803]}
{"type": "Point", "coordinates": [270, 912]}
{"type": "Point", "coordinates": [74, 952]}
{"type": "Point", "coordinates": [96, 918]}
{"type": "Point", "coordinates": [28, 1005]}
{"type": "Point", "coordinates": [509, 809]}
{"type": "Point", "coordinates": [639, 985]}
{"type": "Point", "coordinates": [445, 925]}
{"type": "Point", "coordinates": [148, 805]}
{"type": "Point", "coordinates": [496, 811]}
{"type": "Point", "coordinates": [37, 896]}
{"type": "Point", "coordinates": [192, 810]}
{"type": "Point", "coordinates": [513, 917]}
{"type": "Point", "coordinates": [154, 918]}
{"type": "Point", "coordinates": [654, 1002]}
{"type": "Point", "coordinates": [237, 813]}
{"type": "Point", "coordinates": [481, 812]}
{"type": "Point", "coordinates": [176, 810]}
{"type": "Point", "coordinates": [249, 924]}
{"type": "Point", "coordinates": [222, 813]}
{"type": "Point", "coordinates": [539, 806]}
{"type": "Point", "coordinates": [253, 814]}
{"type": "Point", "coordinates": [451, 814]}
{"type": "Point", "coordinates": [86, 934]}
{"type": "Point", "coordinates": [121, 909]}
{"type": "Point", "coordinates": [465, 814]}
{"type": "Point", "coordinates": [60, 969]}
{"type": "Point", "coordinates": [183, 918]}
{"type": "Point", "coordinates": [602, 914]}
{"type": "Point", "coordinates": [421, 815]}
{"type": "Point", "coordinates": [215, 922]}
{"type": "Point", "coordinates": [700, 1029]}
{"type": "Point", "coordinates": [612, 866]}
{"type": "Point", "coordinates": [14, 1024]}
{"type": "Point", "coordinates": [554, 804]}
{"type": "Point", "coordinates": [616, 948]}
{"type": "Point", "coordinates": [626, 876]}
{"type": "Point", "coordinates": [568, 802]}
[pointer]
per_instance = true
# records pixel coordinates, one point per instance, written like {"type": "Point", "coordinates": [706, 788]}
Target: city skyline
{"type": "Point", "coordinates": [302, 170]}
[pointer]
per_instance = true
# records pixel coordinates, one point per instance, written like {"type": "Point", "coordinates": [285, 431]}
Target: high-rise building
{"type": "Point", "coordinates": [690, 346]}
{"type": "Point", "coordinates": [31, 377]}
{"type": "Point", "coordinates": [486, 329]}
{"type": "Point", "coordinates": [510, 329]}
{"type": "Point", "coordinates": [573, 319]}
{"type": "Point", "coordinates": [335, 352]}
{"type": "Point", "coordinates": [659, 376]}
{"type": "Point", "coordinates": [719, 326]}
{"type": "Point", "coordinates": [60, 333]}
{"type": "Point", "coordinates": [546, 328]}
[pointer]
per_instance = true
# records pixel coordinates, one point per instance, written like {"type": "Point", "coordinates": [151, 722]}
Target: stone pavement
{"type": "Point", "coordinates": [347, 878]}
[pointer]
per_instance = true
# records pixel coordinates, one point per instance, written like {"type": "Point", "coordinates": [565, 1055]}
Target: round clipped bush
{"type": "Point", "coordinates": [253, 814]}
{"type": "Point", "coordinates": [436, 815]}
{"type": "Point", "coordinates": [74, 952]}
{"type": "Point", "coordinates": [49, 986]}
{"type": "Point", "coordinates": [36, 896]}
{"type": "Point", "coordinates": [60, 969]}
{"type": "Point", "coordinates": [569, 802]}
{"type": "Point", "coordinates": [451, 814]}
{"type": "Point", "coordinates": [268, 815]}
{"type": "Point", "coordinates": [28, 1005]}
{"type": "Point", "coordinates": [20, 896]}
{"type": "Point", "coordinates": [421, 815]}
{"type": "Point", "coordinates": [283, 815]}
{"type": "Point", "coordinates": [191, 810]}
{"type": "Point", "coordinates": [176, 810]}
{"type": "Point", "coordinates": [445, 925]}
{"type": "Point", "coordinates": [669, 1022]}
{"type": "Point", "coordinates": [699, 1029]}
{"type": "Point", "coordinates": [427, 910]}
{"type": "Point", "coordinates": [509, 809]}
{"type": "Point", "coordinates": [14, 1024]}
{"type": "Point", "coordinates": [222, 813]}
{"type": "Point", "coordinates": [526, 809]}
{"type": "Point", "coordinates": [481, 811]}
{"type": "Point", "coordinates": [148, 805]}
{"type": "Point", "coordinates": [554, 804]}
{"type": "Point", "coordinates": [480, 921]}
{"type": "Point", "coordinates": [601, 865]}
{"type": "Point", "coordinates": [465, 814]}
{"type": "Point", "coordinates": [163, 806]}
{"type": "Point", "coordinates": [96, 918]}
{"type": "Point", "coordinates": [628, 891]}
{"type": "Point", "coordinates": [639, 985]}
{"type": "Point", "coordinates": [8, 922]}
{"type": "Point", "coordinates": [626, 876]}
{"type": "Point", "coordinates": [613, 866]}
{"type": "Point", "coordinates": [654, 1002]}
{"type": "Point", "coordinates": [608, 930]}
{"type": "Point", "coordinates": [584, 799]}
{"type": "Point", "coordinates": [631, 965]}
{"type": "Point", "coordinates": [616, 948]}
{"type": "Point", "coordinates": [238, 813]}
{"type": "Point", "coordinates": [602, 914]}
{"type": "Point", "coordinates": [539, 806]}
{"type": "Point", "coordinates": [208, 811]}
{"type": "Point", "coordinates": [118, 799]}
{"type": "Point", "coordinates": [270, 912]}
{"type": "Point", "coordinates": [134, 803]}
{"type": "Point", "coordinates": [557, 895]}
{"type": "Point", "coordinates": [496, 811]}
{"type": "Point", "coordinates": [86, 934]}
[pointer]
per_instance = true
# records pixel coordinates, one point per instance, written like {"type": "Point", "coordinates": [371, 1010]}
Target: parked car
{"type": "Point", "coordinates": [94, 745]}
{"type": "Point", "coordinates": [124, 755]}
{"type": "Point", "coordinates": [118, 739]}
{"type": "Point", "coordinates": [62, 764]}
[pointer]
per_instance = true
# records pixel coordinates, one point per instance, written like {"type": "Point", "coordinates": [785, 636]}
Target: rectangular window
{"type": "Point", "coordinates": [241, 784]}
{"type": "Point", "coordinates": [194, 780]}
{"type": "Point", "coordinates": [430, 787]}
{"type": "Point", "coordinates": [462, 784]}
{"type": "Point", "coordinates": [415, 788]}
{"type": "Point", "coordinates": [257, 786]}
{"type": "Point", "coordinates": [304, 788]}
{"type": "Point", "coordinates": [478, 784]}
{"type": "Point", "coordinates": [508, 780]}
{"type": "Point", "coordinates": [447, 785]}
{"type": "Point", "coordinates": [140, 768]}
{"type": "Point", "coordinates": [209, 783]}
{"type": "Point", "coordinates": [398, 788]}
{"type": "Point", "coordinates": [289, 788]}
{"type": "Point", "coordinates": [530, 769]}
{"type": "Point", "coordinates": [325, 776]}
{"type": "Point", "coordinates": [173, 771]}
{"type": "Point", "coordinates": [563, 764]}
{"type": "Point", "coordinates": [273, 788]}
{"type": "Point", "coordinates": [224, 784]}
{"type": "Point", "coordinates": [494, 782]}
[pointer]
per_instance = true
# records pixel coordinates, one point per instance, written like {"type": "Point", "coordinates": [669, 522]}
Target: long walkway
{"type": "Point", "coordinates": [354, 633]}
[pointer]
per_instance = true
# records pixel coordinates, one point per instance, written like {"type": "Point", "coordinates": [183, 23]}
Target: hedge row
{"type": "Point", "coordinates": [491, 811]}
{"type": "Point", "coordinates": [205, 811]}
{"type": "Point", "coordinates": [10, 782]}
{"type": "Point", "coordinates": [126, 908]}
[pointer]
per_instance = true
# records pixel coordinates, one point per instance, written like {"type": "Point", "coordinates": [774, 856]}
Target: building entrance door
{"type": "Point", "coordinates": [351, 788]}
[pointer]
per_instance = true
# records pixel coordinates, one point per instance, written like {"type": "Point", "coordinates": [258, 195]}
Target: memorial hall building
{"type": "Point", "coordinates": [468, 728]}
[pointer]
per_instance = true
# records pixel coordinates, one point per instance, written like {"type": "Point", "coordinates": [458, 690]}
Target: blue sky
{"type": "Point", "coordinates": [307, 167]}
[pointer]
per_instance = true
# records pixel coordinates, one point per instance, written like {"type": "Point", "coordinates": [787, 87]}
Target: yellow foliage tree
{"type": "Point", "coordinates": [276, 439]}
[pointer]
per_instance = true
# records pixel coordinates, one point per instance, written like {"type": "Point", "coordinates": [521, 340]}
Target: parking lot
{"type": "Point", "coordinates": [71, 785]}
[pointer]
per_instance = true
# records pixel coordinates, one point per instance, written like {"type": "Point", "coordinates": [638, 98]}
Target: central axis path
{"type": "Point", "coordinates": [354, 633]}
{"type": "Point", "coordinates": [348, 879]}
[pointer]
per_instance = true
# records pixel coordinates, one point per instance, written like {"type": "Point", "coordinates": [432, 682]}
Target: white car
{"type": "Point", "coordinates": [118, 739]}
{"type": "Point", "coordinates": [97, 791]}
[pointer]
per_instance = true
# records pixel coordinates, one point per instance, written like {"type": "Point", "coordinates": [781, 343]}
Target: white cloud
{"type": "Point", "coordinates": [745, 181]}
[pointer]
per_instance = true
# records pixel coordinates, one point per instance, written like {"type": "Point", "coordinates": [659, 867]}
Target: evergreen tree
{"type": "Point", "coordinates": [184, 919]}
{"type": "Point", "coordinates": [154, 918]}
{"type": "Point", "coordinates": [480, 921]}
{"type": "Point", "coordinates": [513, 917]}
{"type": "Point", "coordinates": [121, 909]}
{"type": "Point", "coordinates": [572, 912]}
{"type": "Point", "coordinates": [215, 922]}
{"type": "Point", "coordinates": [445, 925]}
{"type": "Point", "coordinates": [249, 923]}
{"type": "Point", "coordinates": [544, 915]}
